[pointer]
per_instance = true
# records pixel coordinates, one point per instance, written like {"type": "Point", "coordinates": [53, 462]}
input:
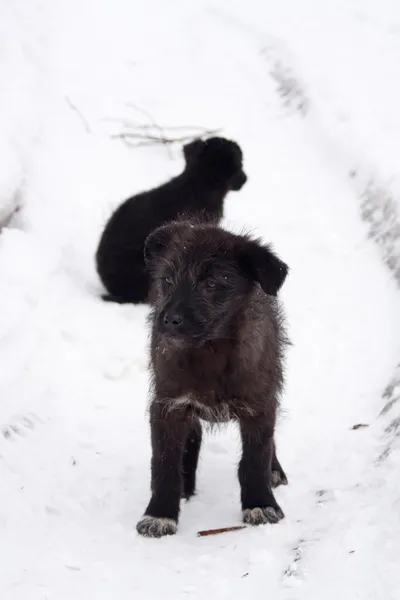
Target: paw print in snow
{"type": "Point", "coordinates": [19, 427]}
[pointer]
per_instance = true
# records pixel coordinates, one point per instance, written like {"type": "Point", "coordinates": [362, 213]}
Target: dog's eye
{"type": "Point", "coordinates": [167, 280]}
{"type": "Point", "coordinates": [211, 285]}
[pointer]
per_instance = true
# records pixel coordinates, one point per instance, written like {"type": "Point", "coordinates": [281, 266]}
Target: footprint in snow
{"type": "Point", "coordinates": [19, 426]}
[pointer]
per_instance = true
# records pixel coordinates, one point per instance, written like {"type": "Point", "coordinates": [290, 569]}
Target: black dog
{"type": "Point", "coordinates": [213, 168]}
{"type": "Point", "coordinates": [216, 354]}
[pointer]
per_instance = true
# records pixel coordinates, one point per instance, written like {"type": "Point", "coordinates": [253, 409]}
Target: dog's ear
{"type": "Point", "coordinates": [156, 244]}
{"type": "Point", "coordinates": [260, 263]}
{"type": "Point", "coordinates": [192, 150]}
{"type": "Point", "coordinates": [238, 181]}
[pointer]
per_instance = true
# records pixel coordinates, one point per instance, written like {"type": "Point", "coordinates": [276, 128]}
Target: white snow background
{"type": "Point", "coordinates": [311, 92]}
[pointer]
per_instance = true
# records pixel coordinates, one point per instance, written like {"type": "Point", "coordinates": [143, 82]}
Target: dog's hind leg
{"type": "Point", "coordinates": [190, 459]}
{"type": "Point", "coordinates": [278, 475]}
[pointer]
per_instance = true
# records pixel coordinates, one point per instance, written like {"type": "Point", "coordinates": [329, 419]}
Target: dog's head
{"type": "Point", "coordinates": [203, 278]}
{"type": "Point", "coordinates": [218, 158]}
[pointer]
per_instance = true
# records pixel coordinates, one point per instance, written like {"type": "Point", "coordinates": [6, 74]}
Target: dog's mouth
{"type": "Point", "coordinates": [182, 340]}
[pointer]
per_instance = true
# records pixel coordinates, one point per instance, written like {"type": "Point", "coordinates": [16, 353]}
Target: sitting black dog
{"type": "Point", "coordinates": [213, 168]}
{"type": "Point", "coordinates": [217, 348]}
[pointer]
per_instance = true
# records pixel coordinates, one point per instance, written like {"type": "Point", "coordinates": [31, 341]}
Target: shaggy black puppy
{"type": "Point", "coordinates": [213, 168]}
{"type": "Point", "coordinates": [216, 354]}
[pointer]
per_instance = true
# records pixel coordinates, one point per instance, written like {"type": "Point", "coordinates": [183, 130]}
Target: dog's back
{"type": "Point", "coordinates": [200, 190]}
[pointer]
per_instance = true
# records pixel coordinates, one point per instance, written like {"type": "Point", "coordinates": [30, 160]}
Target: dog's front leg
{"type": "Point", "coordinates": [258, 502]}
{"type": "Point", "coordinates": [168, 435]}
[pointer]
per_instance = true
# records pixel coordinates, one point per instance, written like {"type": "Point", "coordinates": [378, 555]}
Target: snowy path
{"type": "Point", "coordinates": [74, 448]}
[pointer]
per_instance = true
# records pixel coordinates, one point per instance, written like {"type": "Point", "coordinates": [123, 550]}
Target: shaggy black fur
{"type": "Point", "coordinates": [213, 168]}
{"type": "Point", "coordinates": [216, 354]}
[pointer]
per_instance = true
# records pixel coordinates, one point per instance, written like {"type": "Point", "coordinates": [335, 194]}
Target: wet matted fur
{"type": "Point", "coordinates": [217, 347]}
{"type": "Point", "coordinates": [213, 168]}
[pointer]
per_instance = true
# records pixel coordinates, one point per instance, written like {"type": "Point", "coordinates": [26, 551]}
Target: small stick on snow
{"type": "Point", "coordinates": [146, 139]}
{"type": "Point", "coordinates": [80, 115]}
{"type": "Point", "coordinates": [221, 530]}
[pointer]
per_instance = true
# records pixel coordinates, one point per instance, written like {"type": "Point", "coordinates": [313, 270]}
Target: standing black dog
{"type": "Point", "coordinates": [213, 168]}
{"type": "Point", "coordinates": [216, 354]}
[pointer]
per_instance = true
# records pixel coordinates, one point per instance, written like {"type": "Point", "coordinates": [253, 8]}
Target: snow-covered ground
{"type": "Point", "coordinates": [310, 90]}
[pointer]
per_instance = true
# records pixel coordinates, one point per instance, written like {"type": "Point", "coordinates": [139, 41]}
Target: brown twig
{"type": "Point", "coordinates": [222, 530]}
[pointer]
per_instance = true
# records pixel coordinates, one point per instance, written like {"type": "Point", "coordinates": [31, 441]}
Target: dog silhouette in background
{"type": "Point", "coordinates": [213, 168]}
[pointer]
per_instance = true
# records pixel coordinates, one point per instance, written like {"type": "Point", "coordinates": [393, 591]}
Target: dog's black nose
{"type": "Point", "coordinates": [172, 320]}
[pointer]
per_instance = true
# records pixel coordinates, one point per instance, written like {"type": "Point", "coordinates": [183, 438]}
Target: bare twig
{"type": "Point", "coordinates": [222, 530]}
{"type": "Point", "coordinates": [135, 139]}
{"type": "Point", "coordinates": [154, 139]}
{"type": "Point", "coordinates": [149, 116]}
{"type": "Point", "coordinates": [146, 126]}
{"type": "Point", "coordinates": [80, 115]}
{"type": "Point", "coordinates": [146, 134]}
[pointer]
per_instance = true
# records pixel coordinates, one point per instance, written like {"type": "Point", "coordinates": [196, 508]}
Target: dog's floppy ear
{"type": "Point", "coordinates": [156, 244]}
{"type": "Point", "coordinates": [192, 150]}
{"type": "Point", "coordinates": [261, 264]}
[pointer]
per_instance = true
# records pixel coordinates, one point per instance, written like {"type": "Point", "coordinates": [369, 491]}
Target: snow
{"type": "Point", "coordinates": [310, 92]}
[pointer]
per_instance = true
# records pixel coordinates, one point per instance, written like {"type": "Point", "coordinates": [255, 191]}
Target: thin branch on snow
{"type": "Point", "coordinates": [80, 115]}
{"type": "Point", "coordinates": [149, 116]}
{"type": "Point", "coordinates": [136, 134]}
{"type": "Point", "coordinates": [221, 530]}
{"type": "Point", "coordinates": [146, 139]}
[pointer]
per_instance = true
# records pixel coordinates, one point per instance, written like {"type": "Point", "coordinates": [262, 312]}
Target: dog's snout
{"type": "Point", "coordinates": [238, 181]}
{"type": "Point", "coordinates": [172, 320]}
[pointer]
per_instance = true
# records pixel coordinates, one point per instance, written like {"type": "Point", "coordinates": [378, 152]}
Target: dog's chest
{"type": "Point", "coordinates": [201, 372]}
{"type": "Point", "coordinates": [205, 384]}
{"type": "Point", "coordinates": [213, 412]}
{"type": "Point", "coordinates": [210, 408]}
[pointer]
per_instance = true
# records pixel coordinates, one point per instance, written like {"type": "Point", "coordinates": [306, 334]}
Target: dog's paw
{"type": "Point", "coordinates": [261, 515]}
{"type": "Point", "coordinates": [278, 478]}
{"type": "Point", "coordinates": [156, 527]}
